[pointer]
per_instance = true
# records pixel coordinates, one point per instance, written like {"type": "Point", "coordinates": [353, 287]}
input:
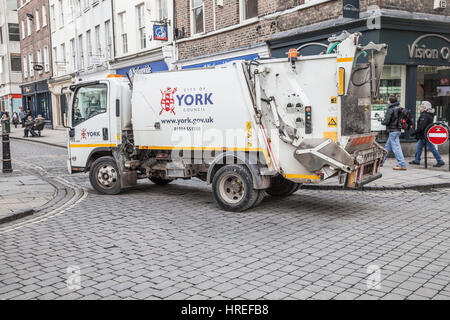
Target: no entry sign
{"type": "Point", "coordinates": [437, 134]}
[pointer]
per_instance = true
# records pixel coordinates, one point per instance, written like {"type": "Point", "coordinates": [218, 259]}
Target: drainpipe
{"type": "Point", "coordinates": [174, 40]}
{"type": "Point", "coordinates": [113, 23]}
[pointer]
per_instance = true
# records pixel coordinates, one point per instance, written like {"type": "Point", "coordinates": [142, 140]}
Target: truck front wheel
{"type": "Point", "coordinates": [281, 187]}
{"type": "Point", "coordinates": [104, 176]}
{"type": "Point", "coordinates": [233, 188]}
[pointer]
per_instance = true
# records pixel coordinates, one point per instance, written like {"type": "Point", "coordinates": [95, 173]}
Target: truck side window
{"type": "Point", "coordinates": [89, 101]}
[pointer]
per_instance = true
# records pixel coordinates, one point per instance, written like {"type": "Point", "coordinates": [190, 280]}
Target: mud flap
{"type": "Point", "coordinates": [128, 179]}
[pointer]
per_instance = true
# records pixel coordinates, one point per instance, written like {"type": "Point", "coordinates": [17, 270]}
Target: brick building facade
{"type": "Point", "coordinates": [35, 47]}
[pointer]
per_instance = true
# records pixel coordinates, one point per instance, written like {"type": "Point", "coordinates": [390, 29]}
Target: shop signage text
{"type": "Point", "coordinates": [417, 51]}
{"type": "Point", "coordinates": [351, 9]}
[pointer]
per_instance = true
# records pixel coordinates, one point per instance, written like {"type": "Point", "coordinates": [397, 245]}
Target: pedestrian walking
{"type": "Point", "coordinates": [426, 118]}
{"type": "Point", "coordinates": [22, 117]}
{"type": "Point", "coordinates": [15, 119]}
{"type": "Point", "coordinates": [393, 124]}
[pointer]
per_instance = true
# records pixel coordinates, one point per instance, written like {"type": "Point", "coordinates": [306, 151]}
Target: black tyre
{"type": "Point", "coordinates": [281, 187]}
{"type": "Point", "coordinates": [105, 176]}
{"type": "Point", "coordinates": [160, 181]}
{"type": "Point", "coordinates": [233, 188]}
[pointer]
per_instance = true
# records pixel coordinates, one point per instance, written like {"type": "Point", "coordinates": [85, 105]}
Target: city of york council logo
{"type": "Point", "coordinates": [168, 101]}
{"type": "Point", "coordinates": [83, 134]}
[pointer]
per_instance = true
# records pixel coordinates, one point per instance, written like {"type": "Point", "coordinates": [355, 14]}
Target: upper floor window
{"type": "Point", "coordinates": [23, 29]}
{"type": "Point", "coordinates": [16, 65]}
{"type": "Point", "coordinates": [44, 16]}
{"type": "Point", "coordinates": [28, 26]}
{"type": "Point", "coordinates": [162, 9]}
{"type": "Point", "coordinates": [123, 32]}
{"type": "Point", "coordinates": [141, 26]}
{"type": "Point", "coordinates": [13, 29]}
{"type": "Point", "coordinates": [61, 13]}
{"type": "Point", "coordinates": [249, 9]}
{"type": "Point", "coordinates": [52, 16]}
{"type": "Point", "coordinates": [36, 19]}
{"type": "Point", "coordinates": [197, 16]}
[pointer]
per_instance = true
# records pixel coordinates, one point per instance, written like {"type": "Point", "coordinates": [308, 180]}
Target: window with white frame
{"type": "Point", "coordinates": [248, 9]}
{"type": "Point", "coordinates": [108, 39]}
{"type": "Point", "coordinates": [123, 32]}
{"type": "Point", "coordinates": [74, 54]}
{"type": "Point", "coordinates": [89, 47]}
{"type": "Point", "coordinates": [80, 52]}
{"type": "Point", "coordinates": [197, 16]}
{"type": "Point", "coordinates": [39, 59]}
{"type": "Point", "coordinates": [63, 53]}
{"type": "Point", "coordinates": [46, 60]}
{"type": "Point", "coordinates": [25, 67]}
{"type": "Point", "coordinates": [2, 64]}
{"type": "Point", "coordinates": [28, 26]}
{"type": "Point", "coordinates": [23, 29]}
{"type": "Point", "coordinates": [61, 13]}
{"type": "Point", "coordinates": [30, 61]}
{"type": "Point", "coordinates": [55, 59]}
{"type": "Point", "coordinates": [52, 17]}
{"type": "Point", "coordinates": [44, 15]}
{"type": "Point", "coordinates": [36, 19]}
{"type": "Point", "coordinates": [98, 44]}
{"type": "Point", "coordinates": [162, 10]}
{"type": "Point", "coordinates": [140, 13]}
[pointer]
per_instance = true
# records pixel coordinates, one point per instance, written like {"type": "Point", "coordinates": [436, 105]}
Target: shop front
{"type": "Point", "coordinates": [417, 66]}
{"type": "Point", "coordinates": [145, 68]}
{"type": "Point", "coordinates": [36, 97]}
{"type": "Point", "coordinates": [11, 103]}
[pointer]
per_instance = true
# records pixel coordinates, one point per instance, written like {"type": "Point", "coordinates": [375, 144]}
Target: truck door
{"type": "Point", "coordinates": [89, 123]}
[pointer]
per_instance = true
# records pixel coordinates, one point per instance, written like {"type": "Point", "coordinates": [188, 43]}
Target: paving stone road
{"type": "Point", "coordinates": [172, 242]}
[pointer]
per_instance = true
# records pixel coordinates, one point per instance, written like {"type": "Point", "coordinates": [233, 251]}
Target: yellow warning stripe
{"type": "Point", "coordinates": [199, 148]}
{"type": "Point", "coordinates": [93, 145]}
{"type": "Point", "coordinates": [301, 176]}
{"type": "Point", "coordinates": [345, 59]}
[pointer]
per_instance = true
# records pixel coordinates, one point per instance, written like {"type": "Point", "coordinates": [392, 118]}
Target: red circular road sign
{"type": "Point", "coordinates": [437, 134]}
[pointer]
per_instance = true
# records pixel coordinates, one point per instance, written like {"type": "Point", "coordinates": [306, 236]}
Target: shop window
{"type": "Point", "coordinates": [393, 82]}
{"type": "Point", "coordinates": [433, 85]}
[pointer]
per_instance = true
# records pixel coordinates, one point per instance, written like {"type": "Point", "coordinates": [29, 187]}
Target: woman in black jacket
{"type": "Point", "coordinates": [426, 118]}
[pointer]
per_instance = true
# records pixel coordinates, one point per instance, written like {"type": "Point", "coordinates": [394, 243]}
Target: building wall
{"type": "Point", "coordinates": [224, 30]}
{"type": "Point", "coordinates": [9, 80]}
{"type": "Point", "coordinates": [30, 44]}
{"type": "Point", "coordinates": [232, 32]}
{"type": "Point", "coordinates": [154, 50]}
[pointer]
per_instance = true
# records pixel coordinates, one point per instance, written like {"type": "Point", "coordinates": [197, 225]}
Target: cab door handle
{"type": "Point", "coordinates": [105, 134]}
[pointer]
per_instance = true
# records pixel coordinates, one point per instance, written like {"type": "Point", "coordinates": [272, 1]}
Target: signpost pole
{"type": "Point", "coordinates": [7, 167]}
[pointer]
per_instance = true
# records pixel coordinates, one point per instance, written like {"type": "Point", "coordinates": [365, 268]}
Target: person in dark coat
{"type": "Point", "coordinates": [426, 118]}
{"type": "Point", "coordinates": [29, 127]}
{"type": "Point", "coordinates": [393, 126]}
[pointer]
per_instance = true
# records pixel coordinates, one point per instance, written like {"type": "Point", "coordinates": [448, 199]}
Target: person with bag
{"type": "Point", "coordinates": [15, 119]}
{"type": "Point", "coordinates": [393, 123]}
{"type": "Point", "coordinates": [425, 120]}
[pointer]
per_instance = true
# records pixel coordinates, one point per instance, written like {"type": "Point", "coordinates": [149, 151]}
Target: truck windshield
{"type": "Point", "coordinates": [89, 101]}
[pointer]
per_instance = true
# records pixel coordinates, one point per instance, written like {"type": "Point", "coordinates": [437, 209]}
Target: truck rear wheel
{"type": "Point", "coordinates": [281, 187]}
{"type": "Point", "coordinates": [104, 176]}
{"type": "Point", "coordinates": [160, 181]}
{"type": "Point", "coordinates": [233, 188]}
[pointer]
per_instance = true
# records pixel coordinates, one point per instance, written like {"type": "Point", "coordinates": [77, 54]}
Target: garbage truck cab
{"type": "Point", "coordinates": [249, 128]}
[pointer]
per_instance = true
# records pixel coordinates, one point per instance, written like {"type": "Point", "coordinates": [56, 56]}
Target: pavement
{"type": "Point", "coordinates": [172, 242]}
{"type": "Point", "coordinates": [21, 194]}
{"type": "Point", "coordinates": [48, 136]}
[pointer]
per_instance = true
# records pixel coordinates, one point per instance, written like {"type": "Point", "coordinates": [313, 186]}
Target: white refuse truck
{"type": "Point", "coordinates": [249, 128]}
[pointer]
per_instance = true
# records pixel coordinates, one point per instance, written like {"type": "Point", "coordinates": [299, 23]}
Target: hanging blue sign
{"type": "Point", "coordinates": [144, 68]}
{"type": "Point", "coordinates": [160, 32]}
{"type": "Point", "coordinates": [219, 62]}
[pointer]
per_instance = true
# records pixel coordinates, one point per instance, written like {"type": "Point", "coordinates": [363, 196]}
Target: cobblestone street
{"type": "Point", "coordinates": [172, 242]}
